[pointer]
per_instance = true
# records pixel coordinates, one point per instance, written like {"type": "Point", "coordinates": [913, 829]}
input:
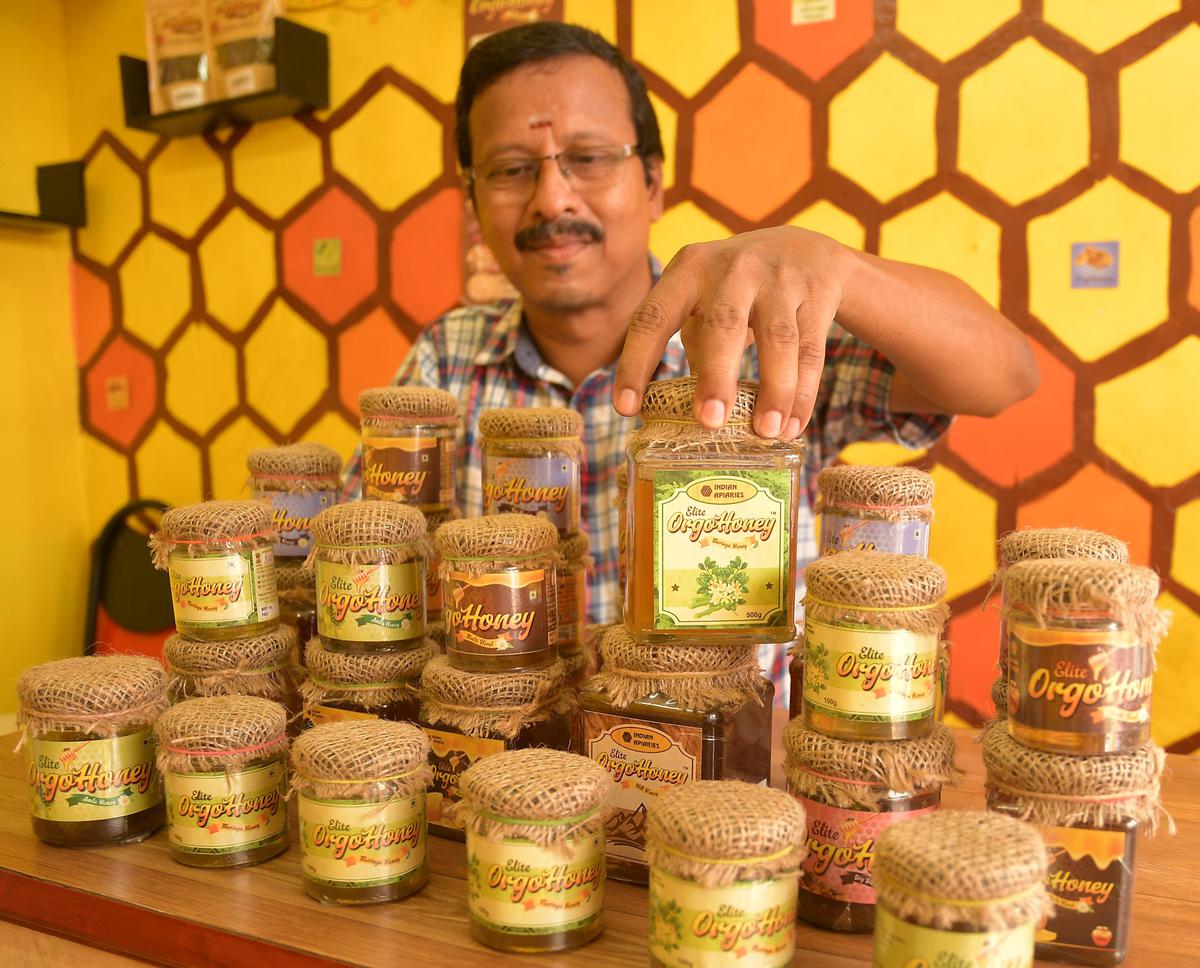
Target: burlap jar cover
{"type": "Point", "coordinates": [221, 565]}
{"type": "Point", "coordinates": [874, 509]}
{"type": "Point", "coordinates": [898, 599]}
{"type": "Point", "coordinates": [370, 564]}
{"type": "Point", "coordinates": [668, 417]}
{"type": "Point", "coordinates": [962, 869]}
{"type": "Point", "coordinates": [361, 788]}
{"type": "Point", "coordinates": [493, 704]}
{"type": "Point", "coordinates": [369, 680]}
{"type": "Point", "coordinates": [692, 676]}
{"type": "Point", "coordinates": [420, 472]}
{"type": "Point", "coordinates": [258, 665]}
{"type": "Point", "coordinates": [116, 698]}
{"type": "Point", "coordinates": [297, 482]}
{"type": "Point", "coordinates": [1057, 790]}
{"type": "Point", "coordinates": [500, 604]}
{"type": "Point", "coordinates": [1054, 614]}
{"type": "Point", "coordinates": [1000, 697]}
{"type": "Point", "coordinates": [223, 759]}
{"type": "Point", "coordinates": [572, 592]}
{"type": "Point", "coordinates": [531, 458]}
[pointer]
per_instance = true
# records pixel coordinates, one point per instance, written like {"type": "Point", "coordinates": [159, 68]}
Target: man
{"type": "Point", "coordinates": [564, 165]}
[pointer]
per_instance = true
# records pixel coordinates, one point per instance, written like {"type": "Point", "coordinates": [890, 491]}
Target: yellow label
{"type": "Point", "coordinates": [899, 944]}
{"type": "Point", "coordinates": [520, 888]}
{"type": "Point", "coordinates": [92, 779]}
{"type": "Point", "coordinates": [371, 603]}
{"type": "Point", "coordinates": [450, 754]}
{"type": "Point", "coordinates": [745, 923]}
{"type": "Point", "coordinates": [867, 674]}
{"type": "Point", "coordinates": [331, 714]}
{"type": "Point", "coordinates": [352, 843]}
{"type": "Point", "coordinates": [224, 590]}
{"type": "Point", "coordinates": [219, 813]}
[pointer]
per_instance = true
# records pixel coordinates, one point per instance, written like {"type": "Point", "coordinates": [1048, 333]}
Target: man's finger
{"type": "Point", "coordinates": [775, 325]}
{"type": "Point", "coordinates": [660, 315]}
{"type": "Point", "coordinates": [813, 319]}
{"type": "Point", "coordinates": [717, 345]}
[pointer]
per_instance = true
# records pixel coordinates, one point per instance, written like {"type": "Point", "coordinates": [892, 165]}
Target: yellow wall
{"type": "Point", "coordinates": [43, 567]}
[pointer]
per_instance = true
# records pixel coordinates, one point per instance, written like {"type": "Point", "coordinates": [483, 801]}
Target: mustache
{"type": "Point", "coordinates": [542, 232]}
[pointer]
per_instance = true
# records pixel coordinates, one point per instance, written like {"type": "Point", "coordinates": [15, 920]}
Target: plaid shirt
{"type": "Point", "coordinates": [485, 356]}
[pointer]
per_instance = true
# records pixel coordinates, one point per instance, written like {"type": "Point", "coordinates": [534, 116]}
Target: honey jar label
{"type": "Point", "coordinates": [352, 843]}
{"type": "Point", "coordinates": [844, 532]}
{"type": "Point", "coordinates": [224, 590]}
{"type": "Point", "coordinates": [1079, 681]}
{"type": "Point", "coordinates": [841, 849]}
{"type": "Point", "coordinates": [533, 485]}
{"type": "Point", "coordinates": [1090, 882]}
{"type": "Point", "coordinates": [92, 779]}
{"type": "Point", "coordinates": [722, 551]}
{"type": "Point", "coordinates": [291, 517]}
{"type": "Point", "coordinates": [572, 606]}
{"type": "Point", "coordinates": [869, 674]}
{"type": "Point", "coordinates": [416, 469]}
{"type": "Point", "coordinates": [643, 759]}
{"type": "Point", "coordinates": [316, 715]}
{"type": "Point", "coordinates": [450, 754]}
{"type": "Point", "coordinates": [745, 923]}
{"type": "Point", "coordinates": [520, 888]}
{"type": "Point", "coordinates": [223, 813]}
{"type": "Point", "coordinates": [899, 944]}
{"type": "Point", "coordinates": [371, 603]}
{"type": "Point", "coordinates": [510, 612]}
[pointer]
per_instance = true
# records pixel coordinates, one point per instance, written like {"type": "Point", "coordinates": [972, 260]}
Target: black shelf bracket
{"type": "Point", "coordinates": [301, 58]}
{"type": "Point", "coordinates": [61, 201]}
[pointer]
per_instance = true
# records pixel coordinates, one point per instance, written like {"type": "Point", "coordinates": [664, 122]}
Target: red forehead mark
{"type": "Point", "coordinates": [540, 122]}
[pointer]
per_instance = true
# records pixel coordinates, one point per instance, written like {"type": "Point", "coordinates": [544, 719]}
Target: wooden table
{"type": "Point", "coordinates": [137, 901]}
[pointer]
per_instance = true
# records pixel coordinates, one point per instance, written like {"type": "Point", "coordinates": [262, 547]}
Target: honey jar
{"type": "Point", "coordinates": [352, 686]}
{"type": "Point", "coordinates": [297, 600]}
{"type": "Point", "coordinates": [296, 483]}
{"type": "Point", "coordinates": [874, 509]}
{"type": "Point", "coordinates": [408, 442]}
{"type": "Point", "coordinates": [258, 665]}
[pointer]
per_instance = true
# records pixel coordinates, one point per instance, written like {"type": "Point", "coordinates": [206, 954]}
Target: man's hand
{"type": "Point", "coordinates": [777, 287]}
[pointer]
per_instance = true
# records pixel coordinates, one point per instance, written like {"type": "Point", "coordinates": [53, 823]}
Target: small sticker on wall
{"type": "Point", "coordinates": [1094, 265]}
{"type": "Point", "coordinates": [813, 11]}
{"type": "Point", "coordinates": [327, 257]}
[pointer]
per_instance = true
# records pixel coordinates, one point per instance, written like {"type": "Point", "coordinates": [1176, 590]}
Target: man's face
{"type": "Point", "coordinates": [566, 245]}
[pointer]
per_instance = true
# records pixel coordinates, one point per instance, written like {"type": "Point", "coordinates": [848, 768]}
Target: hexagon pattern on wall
{"type": "Point", "coordinates": [276, 270]}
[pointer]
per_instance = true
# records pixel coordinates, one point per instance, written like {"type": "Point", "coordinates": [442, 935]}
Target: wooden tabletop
{"type": "Point", "coordinates": [138, 901]}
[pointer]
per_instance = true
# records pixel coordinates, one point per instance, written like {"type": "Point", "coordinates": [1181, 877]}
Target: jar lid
{"type": "Point", "coordinates": [886, 489]}
{"type": "Point", "coordinates": [216, 522]}
{"type": "Point", "coordinates": [841, 771]}
{"type": "Point", "coordinates": [717, 832]}
{"type": "Point", "coordinates": [496, 537]}
{"type": "Point", "coordinates": [362, 524]}
{"type": "Point", "coordinates": [574, 546]}
{"type": "Point", "coordinates": [509, 423]}
{"type": "Point", "coordinates": [1057, 790]}
{"type": "Point", "coordinates": [962, 867]}
{"type": "Point", "coordinates": [357, 671]}
{"type": "Point", "coordinates": [1031, 543]}
{"type": "Point", "coordinates": [213, 731]}
{"type": "Point", "coordinates": [672, 400]}
{"type": "Point", "coordinates": [877, 588]}
{"type": "Point", "coordinates": [407, 402]}
{"type": "Point", "coordinates": [487, 703]}
{"type": "Point", "coordinates": [248, 656]}
{"type": "Point", "coordinates": [91, 694]}
{"type": "Point", "coordinates": [295, 460]}
{"type": "Point", "coordinates": [367, 750]}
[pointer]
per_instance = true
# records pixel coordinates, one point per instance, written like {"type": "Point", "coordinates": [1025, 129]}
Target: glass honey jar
{"type": "Point", "coordinates": [258, 665]}
{"type": "Point", "coordinates": [351, 686]}
{"type": "Point", "coordinates": [409, 437]}
{"type": "Point", "coordinates": [296, 482]}
{"type": "Point", "coordinates": [874, 509]}
{"type": "Point", "coordinates": [711, 521]}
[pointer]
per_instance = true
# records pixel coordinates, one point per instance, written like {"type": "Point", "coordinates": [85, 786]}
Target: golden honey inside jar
{"type": "Point", "coordinates": [87, 734]}
{"type": "Point", "coordinates": [361, 788]}
{"type": "Point", "coordinates": [711, 524]}
{"type": "Point", "coordinates": [531, 463]}
{"type": "Point", "coordinates": [724, 856]}
{"type": "Point", "coordinates": [354, 686]}
{"type": "Point", "coordinates": [874, 509]}
{"type": "Point", "coordinates": [873, 626]}
{"type": "Point", "coordinates": [500, 591]}
{"type": "Point", "coordinates": [224, 766]}
{"type": "Point", "coordinates": [409, 436]}
{"type": "Point", "coordinates": [296, 483]}
{"type": "Point", "coordinates": [1081, 642]}
{"type": "Point", "coordinates": [535, 849]}
{"type": "Point", "coordinates": [370, 561]}
{"type": "Point", "coordinates": [220, 559]}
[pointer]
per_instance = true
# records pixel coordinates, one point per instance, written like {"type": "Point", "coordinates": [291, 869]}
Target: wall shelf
{"type": "Point", "coordinates": [60, 200]}
{"type": "Point", "coordinates": [301, 84]}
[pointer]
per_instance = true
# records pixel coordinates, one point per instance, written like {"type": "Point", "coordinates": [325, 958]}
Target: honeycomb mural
{"type": "Point", "coordinates": [240, 288]}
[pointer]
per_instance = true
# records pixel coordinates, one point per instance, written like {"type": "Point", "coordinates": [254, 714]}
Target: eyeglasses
{"type": "Point", "coordinates": [584, 167]}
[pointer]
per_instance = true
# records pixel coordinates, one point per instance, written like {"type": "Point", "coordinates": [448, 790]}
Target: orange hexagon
{"type": "Point", "coordinates": [369, 354]}
{"type": "Point", "coordinates": [121, 392]}
{"type": "Point", "coordinates": [1026, 438]}
{"type": "Point", "coordinates": [1094, 499]}
{"type": "Point", "coordinates": [427, 258]}
{"type": "Point", "coordinates": [753, 144]}
{"type": "Point", "coordinates": [91, 311]}
{"type": "Point", "coordinates": [816, 48]}
{"type": "Point", "coordinates": [974, 638]}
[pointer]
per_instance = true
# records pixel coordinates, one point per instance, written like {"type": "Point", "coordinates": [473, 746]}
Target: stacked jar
{"type": "Point", "coordinates": [1073, 753]}
{"type": "Point", "coordinates": [220, 556]}
{"type": "Point", "coordinates": [500, 684]}
{"type": "Point", "coordinates": [867, 751]}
